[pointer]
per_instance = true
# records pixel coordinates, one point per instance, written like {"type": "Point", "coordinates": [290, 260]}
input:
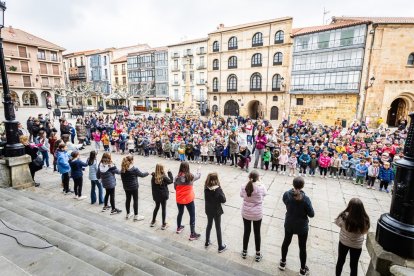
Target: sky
{"type": "Point", "coordinates": [98, 24]}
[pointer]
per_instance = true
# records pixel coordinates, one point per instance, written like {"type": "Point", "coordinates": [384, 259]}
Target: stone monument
{"type": "Point", "coordinates": [188, 108]}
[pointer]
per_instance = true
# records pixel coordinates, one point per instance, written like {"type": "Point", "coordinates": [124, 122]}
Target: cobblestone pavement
{"type": "Point", "coordinates": [329, 197]}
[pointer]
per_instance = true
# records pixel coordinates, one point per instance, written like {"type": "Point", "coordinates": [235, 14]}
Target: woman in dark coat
{"type": "Point", "coordinates": [31, 150]}
{"type": "Point", "coordinates": [160, 192]}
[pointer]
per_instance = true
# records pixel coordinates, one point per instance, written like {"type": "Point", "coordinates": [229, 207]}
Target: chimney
{"type": "Point", "coordinates": [221, 26]}
{"type": "Point", "coordinates": [11, 30]}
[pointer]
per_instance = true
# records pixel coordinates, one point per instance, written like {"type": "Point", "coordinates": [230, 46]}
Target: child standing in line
{"type": "Point", "coordinates": [352, 168]}
{"type": "Point", "coordinates": [335, 165]}
{"type": "Point", "coordinates": [214, 197]}
{"type": "Point", "coordinates": [373, 172]}
{"type": "Point", "coordinates": [131, 144]}
{"type": "Point", "coordinates": [304, 160]}
{"type": "Point", "coordinates": [63, 167]}
{"type": "Point", "coordinates": [105, 141]}
{"type": "Point", "coordinates": [386, 176]}
{"type": "Point", "coordinates": [197, 152]}
{"type": "Point", "coordinates": [181, 152]}
{"type": "Point", "coordinates": [266, 158]}
{"type": "Point", "coordinates": [361, 172]}
{"type": "Point", "coordinates": [219, 148]}
{"type": "Point", "coordinates": [283, 160]}
{"type": "Point", "coordinates": [204, 152]}
{"type": "Point", "coordinates": [292, 163]}
{"type": "Point", "coordinates": [76, 166]}
{"type": "Point", "coordinates": [313, 164]}
{"type": "Point", "coordinates": [106, 172]}
{"type": "Point", "coordinates": [93, 168]}
{"type": "Point", "coordinates": [324, 162]}
{"type": "Point", "coordinates": [275, 160]}
{"type": "Point", "coordinates": [97, 138]}
{"type": "Point", "coordinates": [345, 163]}
{"type": "Point", "coordinates": [211, 151]}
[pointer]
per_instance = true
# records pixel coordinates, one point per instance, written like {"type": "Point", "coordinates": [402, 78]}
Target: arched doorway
{"type": "Point", "coordinates": [398, 109]}
{"type": "Point", "coordinates": [274, 113]}
{"type": "Point", "coordinates": [255, 110]}
{"type": "Point", "coordinates": [45, 99]}
{"type": "Point", "coordinates": [231, 108]}
{"type": "Point", "coordinates": [30, 99]}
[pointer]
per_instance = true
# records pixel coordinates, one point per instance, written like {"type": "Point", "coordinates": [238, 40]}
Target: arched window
{"type": "Point", "coordinates": [279, 37]}
{"type": "Point", "coordinates": [411, 59]}
{"type": "Point", "coordinates": [278, 58]}
{"type": "Point", "coordinates": [215, 64]}
{"type": "Point", "coordinates": [215, 85]}
{"type": "Point", "coordinates": [257, 60]}
{"type": "Point", "coordinates": [216, 47]}
{"type": "Point", "coordinates": [232, 83]}
{"type": "Point", "coordinates": [232, 43]}
{"type": "Point", "coordinates": [257, 40]}
{"type": "Point", "coordinates": [256, 82]}
{"type": "Point", "coordinates": [276, 82]}
{"type": "Point", "coordinates": [232, 62]}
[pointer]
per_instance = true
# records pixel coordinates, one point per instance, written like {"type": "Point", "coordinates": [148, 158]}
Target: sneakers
{"type": "Point", "coordinates": [194, 236]}
{"type": "Point", "coordinates": [116, 211]}
{"type": "Point", "coordinates": [244, 254]}
{"type": "Point", "coordinates": [207, 244]}
{"type": "Point", "coordinates": [380, 189]}
{"type": "Point", "coordinates": [138, 218]}
{"type": "Point", "coordinates": [152, 224]}
{"type": "Point", "coordinates": [282, 265]}
{"type": "Point", "coordinates": [387, 191]}
{"type": "Point", "coordinates": [304, 271]}
{"type": "Point", "coordinates": [180, 229]}
{"type": "Point", "coordinates": [128, 216]}
{"type": "Point", "coordinates": [105, 208]}
{"type": "Point", "coordinates": [222, 249]}
{"type": "Point", "coordinates": [75, 197]}
{"type": "Point", "coordinates": [258, 257]}
{"type": "Point", "coordinates": [81, 197]}
{"type": "Point", "coordinates": [164, 226]}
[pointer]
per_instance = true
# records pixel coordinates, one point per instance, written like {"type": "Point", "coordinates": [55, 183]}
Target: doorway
{"type": "Point", "coordinates": [255, 110]}
{"type": "Point", "coordinates": [397, 111]}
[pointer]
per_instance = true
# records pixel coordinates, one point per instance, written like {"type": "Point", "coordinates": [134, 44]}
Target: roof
{"type": "Point", "coordinates": [80, 53]}
{"type": "Point", "coordinates": [192, 41]}
{"type": "Point", "coordinates": [376, 20]}
{"type": "Point", "coordinates": [101, 51]}
{"type": "Point", "coordinates": [119, 60]}
{"type": "Point", "coordinates": [17, 36]}
{"type": "Point", "coordinates": [146, 51]}
{"type": "Point", "coordinates": [332, 26]}
{"type": "Point", "coordinates": [221, 28]}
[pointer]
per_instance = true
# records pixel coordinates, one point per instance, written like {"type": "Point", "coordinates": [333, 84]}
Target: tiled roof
{"type": "Point", "coordinates": [189, 41]}
{"type": "Point", "coordinates": [13, 35]}
{"type": "Point", "coordinates": [101, 51]}
{"type": "Point", "coordinates": [378, 20]}
{"type": "Point", "coordinates": [224, 29]}
{"type": "Point", "coordinates": [80, 53]}
{"type": "Point", "coordinates": [119, 60]}
{"type": "Point", "coordinates": [332, 26]}
{"type": "Point", "coordinates": [145, 51]}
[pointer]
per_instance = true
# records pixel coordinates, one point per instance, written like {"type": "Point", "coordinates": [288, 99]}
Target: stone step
{"type": "Point", "coordinates": [192, 257]}
{"type": "Point", "coordinates": [9, 268]}
{"type": "Point", "coordinates": [122, 248]}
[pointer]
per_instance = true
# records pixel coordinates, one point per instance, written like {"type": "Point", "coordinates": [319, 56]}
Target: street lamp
{"type": "Point", "coordinates": [13, 147]}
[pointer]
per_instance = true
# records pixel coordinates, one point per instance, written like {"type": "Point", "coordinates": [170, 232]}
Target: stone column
{"type": "Point", "coordinates": [14, 172]}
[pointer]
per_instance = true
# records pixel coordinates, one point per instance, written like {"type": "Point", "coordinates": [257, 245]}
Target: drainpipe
{"type": "Point", "coordinates": [268, 64]}
{"type": "Point", "coordinates": [363, 98]}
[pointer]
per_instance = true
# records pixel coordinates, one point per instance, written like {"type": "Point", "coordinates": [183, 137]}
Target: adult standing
{"type": "Point", "coordinates": [80, 131]}
{"type": "Point", "coordinates": [260, 143]}
{"type": "Point", "coordinates": [31, 150]}
{"type": "Point", "coordinates": [298, 209]}
{"type": "Point", "coordinates": [234, 148]}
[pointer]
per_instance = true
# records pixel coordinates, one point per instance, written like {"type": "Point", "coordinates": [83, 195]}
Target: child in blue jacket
{"type": "Point", "coordinates": [77, 166]}
{"type": "Point", "coordinates": [386, 176]}
{"type": "Point", "coordinates": [63, 166]}
{"type": "Point", "coordinates": [361, 172]}
{"type": "Point", "coordinates": [304, 160]}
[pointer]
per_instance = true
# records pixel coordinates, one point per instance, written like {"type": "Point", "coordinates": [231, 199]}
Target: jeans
{"type": "Point", "coordinates": [323, 171]}
{"type": "Point", "coordinates": [217, 222]}
{"type": "Point", "coordinates": [78, 186]}
{"type": "Point", "coordinates": [134, 195]}
{"type": "Point", "coordinates": [100, 191]}
{"type": "Point", "coordinates": [45, 155]}
{"type": "Point", "coordinates": [65, 181]}
{"type": "Point", "coordinates": [163, 204]}
{"type": "Point", "coordinates": [384, 184]}
{"type": "Point", "coordinates": [371, 180]}
{"type": "Point", "coordinates": [249, 139]}
{"type": "Point", "coordinates": [302, 247]}
{"type": "Point", "coordinates": [97, 146]}
{"type": "Point", "coordinates": [110, 194]}
{"type": "Point", "coordinates": [342, 171]}
{"type": "Point", "coordinates": [191, 211]}
{"type": "Point", "coordinates": [182, 157]}
{"type": "Point", "coordinates": [360, 178]}
{"type": "Point", "coordinates": [258, 154]}
{"type": "Point", "coordinates": [311, 171]}
{"type": "Point", "coordinates": [354, 257]}
{"type": "Point", "coordinates": [256, 230]}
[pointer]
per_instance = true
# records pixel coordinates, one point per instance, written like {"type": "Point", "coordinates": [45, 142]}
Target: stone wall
{"type": "Point", "coordinates": [324, 109]}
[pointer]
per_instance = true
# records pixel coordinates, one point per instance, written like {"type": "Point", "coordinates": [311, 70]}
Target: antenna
{"type": "Point", "coordinates": [325, 12]}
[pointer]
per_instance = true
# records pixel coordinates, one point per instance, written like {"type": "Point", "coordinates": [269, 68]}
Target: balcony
{"type": "Point", "coordinates": [216, 50]}
{"type": "Point", "coordinates": [201, 51]}
{"type": "Point", "coordinates": [175, 69]}
{"type": "Point", "coordinates": [215, 67]}
{"type": "Point", "coordinates": [257, 44]}
{"type": "Point", "coordinates": [257, 64]}
{"type": "Point", "coordinates": [77, 76]}
{"type": "Point", "coordinates": [255, 89]}
{"type": "Point", "coordinates": [16, 55]}
{"type": "Point", "coordinates": [24, 71]}
{"type": "Point", "coordinates": [46, 85]}
{"type": "Point", "coordinates": [191, 66]}
{"type": "Point", "coordinates": [232, 89]}
{"type": "Point", "coordinates": [175, 55]}
{"type": "Point", "coordinates": [175, 83]}
{"type": "Point", "coordinates": [234, 47]}
{"type": "Point", "coordinates": [201, 82]}
{"type": "Point", "coordinates": [187, 53]}
{"type": "Point", "coordinates": [201, 67]}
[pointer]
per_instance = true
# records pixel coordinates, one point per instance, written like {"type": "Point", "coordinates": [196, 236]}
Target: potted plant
{"type": "Point", "coordinates": [13, 68]}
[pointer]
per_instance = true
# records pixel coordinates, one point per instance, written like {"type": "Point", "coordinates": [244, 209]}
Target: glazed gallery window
{"type": "Point", "coordinates": [257, 40]}
{"type": "Point", "coordinates": [132, 62]}
{"type": "Point", "coordinates": [232, 83]}
{"type": "Point", "coordinates": [232, 63]}
{"type": "Point", "coordinates": [279, 37]}
{"type": "Point", "coordinates": [215, 85]}
{"type": "Point", "coordinates": [348, 81]}
{"type": "Point", "coordinates": [216, 47]}
{"type": "Point", "coordinates": [256, 82]}
{"type": "Point", "coordinates": [257, 60]}
{"type": "Point", "coordinates": [278, 58]}
{"type": "Point", "coordinates": [232, 43]}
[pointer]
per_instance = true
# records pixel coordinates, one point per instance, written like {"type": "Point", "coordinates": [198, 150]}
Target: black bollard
{"type": "Point", "coordinates": [395, 231]}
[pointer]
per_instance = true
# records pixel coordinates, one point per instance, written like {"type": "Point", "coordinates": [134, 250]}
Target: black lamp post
{"type": "Point", "coordinates": [395, 230]}
{"type": "Point", "coordinates": [13, 147]}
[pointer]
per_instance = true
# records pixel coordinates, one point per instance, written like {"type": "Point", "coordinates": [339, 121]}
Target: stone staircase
{"type": "Point", "coordinates": [88, 244]}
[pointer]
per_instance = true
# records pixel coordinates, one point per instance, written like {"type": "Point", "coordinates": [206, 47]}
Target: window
{"type": "Point", "coordinates": [232, 43]}
{"type": "Point", "coordinates": [116, 80]}
{"type": "Point", "coordinates": [53, 56]}
{"type": "Point", "coordinates": [215, 98]}
{"type": "Point", "coordinates": [115, 70]}
{"type": "Point", "coordinates": [202, 62]}
{"type": "Point", "coordinates": [104, 60]}
{"type": "Point", "coordinates": [76, 63]}
{"type": "Point", "coordinates": [24, 65]}
{"type": "Point", "coordinates": [256, 82]}
{"type": "Point", "coordinates": [123, 69]}
{"type": "Point", "coordinates": [299, 101]}
{"type": "Point", "coordinates": [275, 98]}
{"type": "Point", "coordinates": [232, 62]}
{"type": "Point", "coordinates": [278, 58]}
{"type": "Point", "coordinates": [216, 47]}
{"type": "Point", "coordinates": [41, 54]}
{"type": "Point", "coordinates": [22, 51]}
{"type": "Point", "coordinates": [45, 82]}
{"type": "Point", "coordinates": [81, 61]}
{"type": "Point", "coordinates": [27, 81]}
{"type": "Point", "coordinates": [279, 37]}
{"type": "Point", "coordinates": [201, 94]}
{"type": "Point", "coordinates": [106, 74]}
{"type": "Point", "coordinates": [43, 68]}
{"type": "Point", "coordinates": [411, 59]}
{"type": "Point", "coordinates": [323, 40]}
{"type": "Point", "coordinates": [202, 50]}
{"type": "Point", "coordinates": [257, 40]}
{"type": "Point", "coordinates": [276, 82]}
{"type": "Point", "coordinates": [124, 80]}
{"type": "Point", "coordinates": [56, 81]}
{"type": "Point", "coordinates": [70, 62]}
{"type": "Point", "coordinates": [257, 60]}
{"type": "Point", "coordinates": [232, 83]}
{"type": "Point", "coordinates": [55, 69]}
{"type": "Point", "coordinates": [215, 64]}
{"type": "Point", "coordinates": [215, 85]}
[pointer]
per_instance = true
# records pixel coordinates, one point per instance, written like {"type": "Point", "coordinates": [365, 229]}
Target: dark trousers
{"type": "Point", "coordinates": [302, 247]}
{"type": "Point", "coordinates": [342, 171]}
{"type": "Point", "coordinates": [282, 168]}
{"type": "Point", "coordinates": [131, 194]}
{"type": "Point", "coordinates": [190, 157]}
{"type": "Point", "coordinates": [218, 157]}
{"type": "Point", "coordinates": [371, 180]}
{"type": "Point", "coordinates": [323, 171]}
{"type": "Point", "coordinates": [303, 168]}
{"type": "Point", "coordinates": [204, 158]}
{"type": "Point", "coordinates": [191, 211]}
{"type": "Point", "coordinates": [65, 181]}
{"type": "Point", "coordinates": [354, 257]}
{"type": "Point", "coordinates": [78, 182]}
{"type": "Point", "coordinates": [266, 164]}
{"type": "Point", "coordinates": [163, 204]}
{"type": "Point", "coordinates": [211, 159]}
{"type": "Point", "coordinates": [256, 231]}
{"type": "Point", "coordinates": [275, 166]}
{"type": "Point", "coordinates": [110, 194]}
{"type": "Point", "coordinates": [234, 159]}
{"type": "Point", "coordinates": [384, 184]}
{"type": "Point", "coordinates": [217, 223]}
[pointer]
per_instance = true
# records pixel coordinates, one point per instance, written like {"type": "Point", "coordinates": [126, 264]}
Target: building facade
{"type": "Point", "coordinates": [194, 53]}
{"type": "Point", "coordinates": [75, 67]}
{"type": "Point", "coordinates": [118, 68]}
{"type": "Point", "coordinates": [248, 69]}
{"type": "Point", "coordinates": [34, 67]}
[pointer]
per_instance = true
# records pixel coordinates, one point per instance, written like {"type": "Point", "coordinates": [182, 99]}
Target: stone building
{"type": "Point", "coordinates": [75, 67]}
{"type": "Point", "coordinates": [34, 67]}
{"type": "Point", "coordinates": [119, 76]}
{"type": "Point", "coordinates": [248, 69]}
{"type": "Point", "coordinates": [195, 53]}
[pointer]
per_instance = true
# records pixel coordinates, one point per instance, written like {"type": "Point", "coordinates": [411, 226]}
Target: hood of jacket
{"type": "Point", "coordinates": [104, 167]}
{"type": "Point", "coordinates": [213, 188]}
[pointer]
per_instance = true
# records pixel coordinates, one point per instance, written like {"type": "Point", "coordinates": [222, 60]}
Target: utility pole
{"type": "Point", "coordinates": [325, 12]}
